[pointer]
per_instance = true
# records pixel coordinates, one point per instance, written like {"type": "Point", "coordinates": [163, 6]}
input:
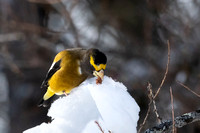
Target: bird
{"type": "Point", "coordinates": [69, 69]}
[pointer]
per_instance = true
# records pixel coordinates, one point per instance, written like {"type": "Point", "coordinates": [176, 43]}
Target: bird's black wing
{"type": "Point", "coordinates": [50, 73]}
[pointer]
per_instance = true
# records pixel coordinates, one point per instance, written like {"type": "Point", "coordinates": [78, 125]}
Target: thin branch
{"type": "Point", "coordinates": [148, 111]}
{"type": "Point", "coordinates": [9, 60]}
{"type": "Point", "coordinates": [68, 17]}
{"type": "Point", "coordinates": [172, 104]}
{"type": "Point", "coordinates": [145, 119]}
{"type": "Point", "coordinates": [151, 96]}
{"type": "Point", "coordinates": [167, 68]}
{"type": "Point", "coordinates": [28, 27]}
{"type": "Point", "coordinates": [180, 121]}
{"type": "Point", "coordinates": [188, 88]}
{"type": "Point", "coordinates": [99, 126]}
{"type": "Point", "coordinates": [46, 1]}
{"type": "Point", "coordinates": [14, 36]}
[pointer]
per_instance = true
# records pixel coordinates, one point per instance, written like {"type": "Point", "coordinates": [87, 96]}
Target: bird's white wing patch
{"type": "Point", "coordinates": [51, 66]}
{"type": "Point", "coordinates": [79, 68]}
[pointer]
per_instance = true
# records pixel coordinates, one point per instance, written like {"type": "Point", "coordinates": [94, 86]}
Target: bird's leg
{"type": "Point", "coordinates": [66, 94]}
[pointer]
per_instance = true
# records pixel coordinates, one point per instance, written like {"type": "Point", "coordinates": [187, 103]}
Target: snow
{"type": "Point", "coordinates": [109, 104]}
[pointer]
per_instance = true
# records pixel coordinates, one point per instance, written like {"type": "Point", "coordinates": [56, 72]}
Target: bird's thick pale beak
{"type": "Point", "coordinates": [99, 74]}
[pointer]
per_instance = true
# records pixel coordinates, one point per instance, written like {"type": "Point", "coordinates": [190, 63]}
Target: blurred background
{"type": "Point", "coordinates": [132, 33]}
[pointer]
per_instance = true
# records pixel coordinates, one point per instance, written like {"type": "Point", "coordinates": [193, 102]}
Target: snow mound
{"type": "Point", "coordinates": [91, 108]}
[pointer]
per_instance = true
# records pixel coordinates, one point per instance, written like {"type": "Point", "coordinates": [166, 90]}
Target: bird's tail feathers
{"type": "Point", "coordinates": [46, 100]}
{"type": "Point", "coordinates": [44, 103]}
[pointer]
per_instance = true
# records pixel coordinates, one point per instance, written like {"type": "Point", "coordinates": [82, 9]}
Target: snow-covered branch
{"type": "Point", "coordinates": [180, 121]}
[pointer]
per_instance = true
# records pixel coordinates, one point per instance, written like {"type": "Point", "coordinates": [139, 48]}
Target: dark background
{"type": "Point", "coordinates": [132, 33]}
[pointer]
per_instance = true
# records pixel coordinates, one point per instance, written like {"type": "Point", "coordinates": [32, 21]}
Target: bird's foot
{"type": "Point", "coordinates": [66, 94]}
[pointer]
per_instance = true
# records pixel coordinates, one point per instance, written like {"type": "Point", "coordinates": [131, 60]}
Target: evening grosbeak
{"type": "Point", "coordinates": [70, 68]}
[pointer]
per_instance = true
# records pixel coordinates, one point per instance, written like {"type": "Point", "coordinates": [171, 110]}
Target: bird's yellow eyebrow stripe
{"type": "Point", "coordinates": [97, 67]}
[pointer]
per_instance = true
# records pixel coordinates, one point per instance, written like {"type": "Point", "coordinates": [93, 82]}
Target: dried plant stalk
{"type": "Point", "coordinates": [167, 68]}
{"type": "Point", "coordinates": [99, 126]}
{"type": "Point", "coordinates": [188, 89]}
{"type": "Point", "coordinates": [172, 104]}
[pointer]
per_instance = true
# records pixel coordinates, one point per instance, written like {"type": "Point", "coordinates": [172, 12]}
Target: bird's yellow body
{"type": "Point", "coordinates": [66, 78]}
{"type": "Point", "coordinates": [70, 68]}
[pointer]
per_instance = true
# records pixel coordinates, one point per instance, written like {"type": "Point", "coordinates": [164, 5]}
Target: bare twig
{"type": "Point", "coordinates": [46, 1]}
{"type": "Point", "coordinates": [145, 119]}
{"type": "Point", "coordinates": [148, 111]}
{"type": "Point", "coordinates": [180, 121]}
{"type": "Point", "coordinates": [11, 37]}
{"type": "Point", "coordinates": [151, 100]}
{"type": "Point", "coordinates": [68, 17]}
{"type": "Point", "coordinates": [172, 104]}
{"type": "Point", "coordinates": [99, 126]}
{"type": "Point", "coordinates": [151, 96]}
{"type": "Point", "coordinates": [167, 68]}
{"type": "Point", "coordinates": [28, 27]}
{"type": "Point", "coordinates": [9, 60]}
{"type": "Point", "coordinates": [188, 88]}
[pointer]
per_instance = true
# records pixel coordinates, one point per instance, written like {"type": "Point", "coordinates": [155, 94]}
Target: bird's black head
{"type": "Point", "coordinates": [94, 63]}
{"type": "Point", "coordinates": [97, 59]}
